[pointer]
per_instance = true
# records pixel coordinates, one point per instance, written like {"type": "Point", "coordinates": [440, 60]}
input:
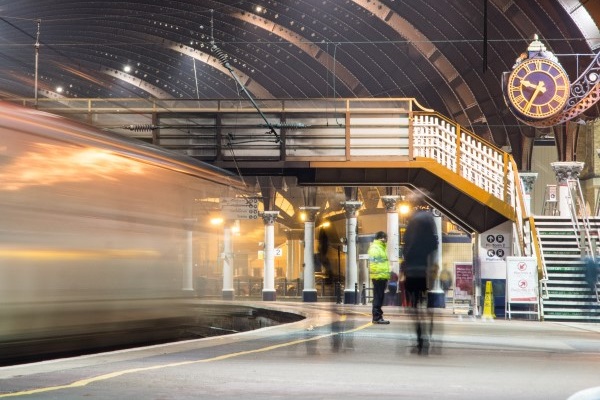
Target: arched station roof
{"type": "Point", "coordinates": [447, 54]}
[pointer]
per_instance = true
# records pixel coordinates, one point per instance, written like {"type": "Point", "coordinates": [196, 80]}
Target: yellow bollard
{"type": "Point", "coordinates": [488, 303]}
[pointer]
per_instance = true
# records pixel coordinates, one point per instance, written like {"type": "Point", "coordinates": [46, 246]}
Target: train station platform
{"type": "Point", "coordinates": [335, 352]}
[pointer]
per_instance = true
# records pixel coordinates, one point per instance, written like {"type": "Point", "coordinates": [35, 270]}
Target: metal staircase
{"type": "Point", "coordinates": [568, 296]}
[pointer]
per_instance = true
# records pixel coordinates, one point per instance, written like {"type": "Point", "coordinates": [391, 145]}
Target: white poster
{"type": "Point", "coordinates": [521, 279]}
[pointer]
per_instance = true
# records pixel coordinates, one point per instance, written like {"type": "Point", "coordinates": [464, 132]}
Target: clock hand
{"type": "Point", "coordinates": [538, 89]}
{"type": "Point", "coordinates": [528, 84]}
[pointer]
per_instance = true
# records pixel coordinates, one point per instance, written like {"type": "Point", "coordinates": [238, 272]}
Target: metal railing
{"type": "Point", "coordinates": [471, 157]}
{"type": "Point", "coordinates": [542, 268]}
{"type": "Point", "coordinates": [579, 212]}
{"type": "Point", "coordinates": [587, 244]}
{"type": "Point", "coordinates": [397, 129]}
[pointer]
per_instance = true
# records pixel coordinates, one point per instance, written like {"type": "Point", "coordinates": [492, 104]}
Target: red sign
{"type": "Point", "coordinates": [463, 281]}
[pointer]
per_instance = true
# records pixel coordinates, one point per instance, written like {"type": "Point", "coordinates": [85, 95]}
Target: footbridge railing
{"type": "Point", "coordinates": [374, 131]}
{"type": "Point", "coordinates": [469, 156]}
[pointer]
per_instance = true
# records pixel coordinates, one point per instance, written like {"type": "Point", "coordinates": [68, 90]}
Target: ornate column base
{"type": "Point", "coordinates": [309, 296]}
{"type": "Point", "coordinates": [228, 294]}
{"type": "Point", "coordinates": [350, 297]}
{"type": "Point", "coordinates": [269, 295]}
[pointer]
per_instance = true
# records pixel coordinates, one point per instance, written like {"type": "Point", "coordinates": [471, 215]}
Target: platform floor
{"type": "Point", "coordinates": [335, 353]}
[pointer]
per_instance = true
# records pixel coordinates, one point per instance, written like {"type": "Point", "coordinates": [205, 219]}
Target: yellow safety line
{"type": "Point", "coordinates": [85, 382]}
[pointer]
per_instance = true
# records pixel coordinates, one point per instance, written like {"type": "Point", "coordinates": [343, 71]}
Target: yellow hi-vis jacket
{"type": "Point", "coordinates": [379, 266]}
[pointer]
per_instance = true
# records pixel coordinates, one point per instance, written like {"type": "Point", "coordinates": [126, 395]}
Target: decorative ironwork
{"type": "Point", "coordinates": [584, 93]}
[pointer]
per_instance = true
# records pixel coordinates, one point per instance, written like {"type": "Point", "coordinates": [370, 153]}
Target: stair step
{"type": "Point", "coordinates": [577, 283]}
{"type": "Point", "coordinates": [579, 288]}
{"type": "Point", "coordinates": [564, 268]}
{"type": "Point", "coordinates": [558, 234]}
{"type": "Point", "coordinates": [587, 304]}
{"type": "Point", "coordinates": [561, 241]}
{"type": "Point", "coordinates": [580, 314]}
{"type": "Point", "coordinates": [572, 317]}
{"type": "Point", "coordinates": [574, 266]}
{"type": "Point", "coordinates": [575, 253]}
{"type": "Point", "coordinates": [563, 259]}
{"type": "Point", "coordinates": [562, 246]}
{"type": "Point", "coordinates": [569, 295]}
{"type": "Point", "coordinates": [567, 278]}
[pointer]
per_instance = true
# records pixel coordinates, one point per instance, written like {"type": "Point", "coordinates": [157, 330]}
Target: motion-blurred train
{"type": "Point", "coordinates": [94, 228]}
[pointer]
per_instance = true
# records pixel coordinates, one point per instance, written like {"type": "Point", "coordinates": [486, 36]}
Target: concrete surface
{"type": "Point", "coordinates": [336, 353]}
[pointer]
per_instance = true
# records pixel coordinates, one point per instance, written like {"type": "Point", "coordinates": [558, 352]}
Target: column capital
{"type": "Point", "coordinates": [351, 207]}
{"type": "Point", "coordinates": [390, 203]}
{"type": "Point", "coordinates": [311, 213]}
{"type": "Point", "coordinates": [189, 223]}
{"type": "Point", "coordinates": [528, 179]}
{"type": "Point", "coordinates": [567, 170]}
{"type": "Point", "coordinates": [269, 217]}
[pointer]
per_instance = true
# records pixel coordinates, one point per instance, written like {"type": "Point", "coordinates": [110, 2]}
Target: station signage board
{"type": "Point", "coordinates": [496, 246]}
{"type": "Point", "coordinates": [521, 280]}
{"type": "Point", "coordinates": [239, 208]}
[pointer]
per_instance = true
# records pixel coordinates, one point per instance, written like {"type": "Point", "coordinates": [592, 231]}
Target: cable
{"type": "Point", "coordinates": [334, 90]}
{"type": "Point", "coordinates": [237, 168]}
{"type": "Point", "coordinates": [224, 58]}
{"type": "Point", "coordinates": [196, 78]}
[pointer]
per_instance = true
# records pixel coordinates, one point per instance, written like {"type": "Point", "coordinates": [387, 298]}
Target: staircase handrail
{"type": "Point", "coordinates": [464, 153]}
{"type": "Point", "coordinates": [518, 204]}
{"type": "Point", "coordinates": [539, 253]}
{"type": "Point", "coordinates": [589, 244]}
{"type": "Point", "coordinates": [573, 214]}
{"type": "Point", "coordinates": [575, 198]}
{"type": "Point", "coordinates": [474, 159]}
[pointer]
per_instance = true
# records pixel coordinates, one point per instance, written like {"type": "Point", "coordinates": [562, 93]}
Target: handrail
{"type": "Point", "coordinates": [589, 245]}
{"type": "Point", "coordinates": [461, 151]}
{"type": "Point", "coordinates": [399, 128]}
{"type": "Point", "coordinates": [473, 158]}
{"type": "Point", "coordinates": [517, 202]}
{"type": "Point", "coordinates": [136, 105]}
{"type": "Point", "coordinates": [537, 247]}
{"type": "Point", "coordinates": [575, 196]}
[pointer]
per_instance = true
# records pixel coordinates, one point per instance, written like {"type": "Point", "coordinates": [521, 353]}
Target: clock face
{"type": "Point", "coordinates": [537, 88]}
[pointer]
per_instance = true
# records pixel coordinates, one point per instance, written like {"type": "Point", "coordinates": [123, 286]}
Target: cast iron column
{"type": "Point", "coordinates": [565, 170]}
{"type": "Point", "coordinates": [351, 208]}
{"type": "Point", "coordinates": [527, 180]}
{"type": "Point", "coordinates": [309, 294]}
{"type": "Point", "coordinates": [393, 242]}
{"type": "Point", "coordinates": [269, 218]}
{"type": "Point", "coordinates": [227, 262]}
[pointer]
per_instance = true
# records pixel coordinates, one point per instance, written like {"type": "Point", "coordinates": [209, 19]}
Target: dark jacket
{"type": "Point", "coordinates": [420, 241]}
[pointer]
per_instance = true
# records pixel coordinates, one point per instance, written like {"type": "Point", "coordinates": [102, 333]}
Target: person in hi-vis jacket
{"type": "Point", "coordinates": [379, 270]}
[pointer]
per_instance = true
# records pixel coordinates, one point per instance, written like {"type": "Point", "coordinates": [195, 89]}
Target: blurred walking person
{"type": "Point", "coordinates": [379, 270]}
{"type": "Point", "coordinates": [391, 296]}
{"type": "Point", "coordinates": [420, 243]}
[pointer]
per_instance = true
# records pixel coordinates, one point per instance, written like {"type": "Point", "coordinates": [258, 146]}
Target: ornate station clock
{"type": "Point", "coordinates": [537, 89]}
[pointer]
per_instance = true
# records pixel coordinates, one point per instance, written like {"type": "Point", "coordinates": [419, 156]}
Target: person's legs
{"type": "Point", "coordinates": [424, 327]}
{"type": "Point", "coordinates": [415, 287]}
{"type": "Point", "coordinates": [378, 295]}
